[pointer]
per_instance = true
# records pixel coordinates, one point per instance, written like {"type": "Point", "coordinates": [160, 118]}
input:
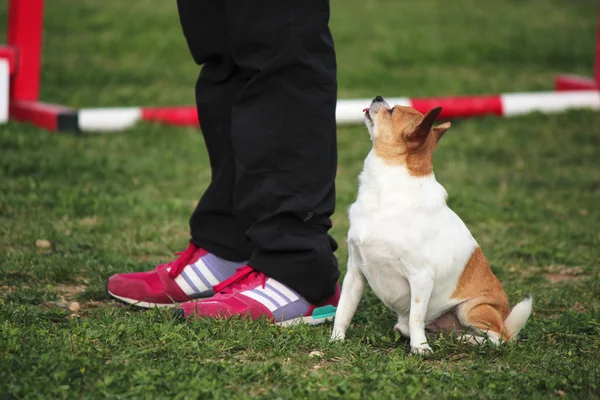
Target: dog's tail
{"type": "Point", "coordinates": [518, 317]}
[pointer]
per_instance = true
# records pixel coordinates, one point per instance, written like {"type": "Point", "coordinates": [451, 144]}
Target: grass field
{"type": "Point", "coordinates": [528, 187]}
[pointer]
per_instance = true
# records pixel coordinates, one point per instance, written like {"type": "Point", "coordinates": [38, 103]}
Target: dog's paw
{"type": "Point", "coordinates": [422, 349]}
{"type": "Point", "coordinates": [337, 337]}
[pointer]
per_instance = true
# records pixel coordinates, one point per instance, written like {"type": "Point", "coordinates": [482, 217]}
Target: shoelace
{"type": "Point", "coordinates": [182, 261]}
{"type": "Point", "coordinates": [241, 276]}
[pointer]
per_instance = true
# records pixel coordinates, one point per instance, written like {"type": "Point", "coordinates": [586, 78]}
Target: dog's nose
{"type": "Point", "coordinates": [379, 99]}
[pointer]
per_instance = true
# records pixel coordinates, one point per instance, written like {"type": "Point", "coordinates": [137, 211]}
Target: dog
{"type": "Point", "coordinates": [417, 255]}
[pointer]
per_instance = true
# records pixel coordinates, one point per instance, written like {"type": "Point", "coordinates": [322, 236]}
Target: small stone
{"type": "Point", "coordinates": [315, 354]}
{"type": "Point", "coordinates": [74, 306]}
{"type": "Point", "coordinates": [42, 243]}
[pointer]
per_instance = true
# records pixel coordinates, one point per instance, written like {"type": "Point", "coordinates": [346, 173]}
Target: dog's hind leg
{"type": "Point", "coordinates": [479, 340]}
{"type": "Point", "coordinates": [352, 290]}
{"type": "Point", "coordinates": [484, 318]}
{"type": "Point", "coordinates": [402, 325]}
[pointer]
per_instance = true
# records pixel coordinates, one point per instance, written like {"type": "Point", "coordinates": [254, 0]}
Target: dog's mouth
{"type": "Point", "coordinates": [377, 104]}
{"type": "Point", "coordinates": [367, 114]}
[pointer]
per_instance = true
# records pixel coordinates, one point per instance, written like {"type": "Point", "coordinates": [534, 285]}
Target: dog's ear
{"type": "Point", "coordinates": [439, 131]}
{"type": "Point", "coordinates": [427, 123]}
{"type": "Point", "coordinates": [419, 132]}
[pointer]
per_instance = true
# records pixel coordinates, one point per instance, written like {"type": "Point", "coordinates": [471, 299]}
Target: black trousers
{"type": "Point", "coordinates": [266, 98]}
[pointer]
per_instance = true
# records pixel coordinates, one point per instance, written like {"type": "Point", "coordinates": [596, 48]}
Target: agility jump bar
{"type": "Point", "coordinates": [347, 112]}
{"type": "Point", "coordinates": [20, 67]}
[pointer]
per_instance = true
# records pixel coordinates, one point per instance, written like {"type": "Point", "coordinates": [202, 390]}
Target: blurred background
{"type": "Point", "coordinates": [133, 53]}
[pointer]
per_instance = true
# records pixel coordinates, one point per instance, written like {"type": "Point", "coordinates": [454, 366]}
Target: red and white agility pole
{"type": "Point", "coordinates": [23, 56]}
{"type": "Point", "coordinates": [20, 61]}
{"type": "Point", "coordinates": [350, 111]}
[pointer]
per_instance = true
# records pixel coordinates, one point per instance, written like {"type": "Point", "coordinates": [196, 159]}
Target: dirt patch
{"type": "Point", "coordinates": [563, 273]}
{"type": "Point", "coordinates": [68, 292]}
{"type": "Point", "coordinates": [553, 273]}
{"type": "Point", "coordinates": [8, 289]}
{"type": "Point", "coordinates": [89, 221]}
{"type": "Point", "coordinates": [580, 308]}
{"type": "Point", "coordinates": [554, 313]}
{"type": "Point", "coordinates": [67, 298]}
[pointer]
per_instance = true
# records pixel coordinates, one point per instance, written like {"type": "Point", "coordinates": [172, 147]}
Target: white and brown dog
{"type": "Point", "coordinates": [417, 255]}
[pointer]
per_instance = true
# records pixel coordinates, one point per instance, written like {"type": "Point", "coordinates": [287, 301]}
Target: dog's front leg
{"type": "Point", "coordinates": [421, 286]}
{"type": "Point", "coordinates": [352, 290]}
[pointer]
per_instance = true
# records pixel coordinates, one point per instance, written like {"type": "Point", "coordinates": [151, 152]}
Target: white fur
{"type": "Point", "coordinates": [518, 317]}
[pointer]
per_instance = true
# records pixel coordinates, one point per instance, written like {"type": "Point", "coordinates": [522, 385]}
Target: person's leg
{"type": "Point", "coordinates": [284, 140]}
{"type": "Point", "coordinates": [212, 225]}
{"type": "Point", "coordinates": [284, 147]}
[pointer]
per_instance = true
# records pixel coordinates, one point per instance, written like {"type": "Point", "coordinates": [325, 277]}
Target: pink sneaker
{"type": "Point", "coordinates": [250, 293]}
{"type": "Point", "coordinates": [190, 276]}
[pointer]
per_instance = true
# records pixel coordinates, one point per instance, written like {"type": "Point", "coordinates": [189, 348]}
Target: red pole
{"type": "Point", "coordinates": [25, 26]}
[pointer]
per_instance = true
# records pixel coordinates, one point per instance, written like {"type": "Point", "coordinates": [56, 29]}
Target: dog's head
{"type": "Point", "coordinates": [403, 136]}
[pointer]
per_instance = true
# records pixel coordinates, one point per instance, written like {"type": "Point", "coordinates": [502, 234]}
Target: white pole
{"type": "Point", "coordinates": [549, 102]}
{"type": "Point", "coordinates": [4, 90]}
{"type": "Point", "coordinates": [351, 111]}
{"type": "Point", "coordinates": [108, 119]}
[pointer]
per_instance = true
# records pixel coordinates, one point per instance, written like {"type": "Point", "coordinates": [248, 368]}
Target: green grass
{"type": "Point", "coordinates": [528, 187]}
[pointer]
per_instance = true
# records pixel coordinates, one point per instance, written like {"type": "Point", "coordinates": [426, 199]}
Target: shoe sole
{"type": "Point", "coordinates": [328, 315]}
{"type": "Point", "coordinates": [304, 320]}
{"type": "Point", "coordinates": [319, 316]}
{"type": "Point", "coordinates": [142, 304]}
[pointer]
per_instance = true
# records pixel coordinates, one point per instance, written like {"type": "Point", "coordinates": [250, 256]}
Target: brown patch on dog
{"type": "Point", "coordinates": [487, 305]}
{"type": "Point", "coordinates": [477, 279]}
{"type": "Point", "coordinates": [485, 317]}
{"type": "Point", "coordinates": [407, 137]}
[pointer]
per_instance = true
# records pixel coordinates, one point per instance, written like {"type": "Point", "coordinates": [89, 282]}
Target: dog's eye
{"type": "Point", "coordinates": [391, 110]}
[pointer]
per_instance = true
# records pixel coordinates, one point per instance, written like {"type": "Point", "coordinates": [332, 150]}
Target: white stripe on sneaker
{"type": "Point", "coordinates": [187, 289]}
{"type": "Point", "coordinates": [262, 300]}
{"type": "Point", "coordinates": [196, 280]}
{"type": "Point", "coordinates": [206, 273]}
{"type": "Point", "coordinates": [283, 290]}
{"type": "Point", "coordinates": [272, 294]}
